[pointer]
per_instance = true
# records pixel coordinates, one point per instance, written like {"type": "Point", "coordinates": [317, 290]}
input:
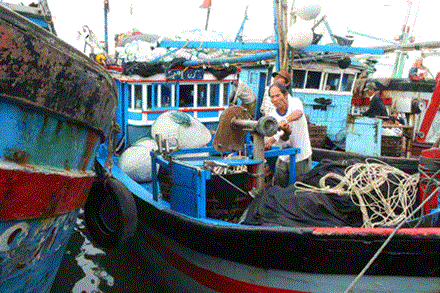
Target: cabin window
{"type": "Point", "coordinates": [225, 94]}
{"type": "Point", "coordinates": [149, 96]}
{"type": "Point", "coordinates": [186, 95]}
{"type": "Point", "coordinates": [202, 95]}
{"type": "Point", "coordinates": [137, 94]}
{"type": "Point", "coordinates": [332, 83]}
{"type": "Point", "coordinates": [130, 96]}
{"type": "Point", "coordinates": [214, 95]}
{"type": "Point", "coordinates": [313, 80]}
{"type": "Point", "coordinates": [298, 79]}
{"type": "Point", "coordinates": [347, 82]}
{"type": "Point", "coordinates": [166, 94]}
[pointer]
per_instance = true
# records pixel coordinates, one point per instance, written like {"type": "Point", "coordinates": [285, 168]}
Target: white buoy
{"type": "Point", "coordinates": [308, 12]}
{"type": "Point", "coordinates": [135, 161]}
{"type": "Point", "coordinates": [299, 35]}
{"type": "Point", "coordinates": [181, 130]}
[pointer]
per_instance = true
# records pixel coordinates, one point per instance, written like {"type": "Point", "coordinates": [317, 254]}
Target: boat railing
{"type": "Point", "coordinates": [190, 169]}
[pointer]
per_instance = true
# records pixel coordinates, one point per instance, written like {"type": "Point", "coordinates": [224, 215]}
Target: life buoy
{"type": "Point", "coordinates": [110, 213]}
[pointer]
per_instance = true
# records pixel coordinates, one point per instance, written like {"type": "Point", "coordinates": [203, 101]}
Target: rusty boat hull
{"type": "Point", "coordinates": [56, 106]}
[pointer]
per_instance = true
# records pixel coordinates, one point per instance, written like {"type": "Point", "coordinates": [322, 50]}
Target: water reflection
{"type": "Point", "coordinates": [88, 269]}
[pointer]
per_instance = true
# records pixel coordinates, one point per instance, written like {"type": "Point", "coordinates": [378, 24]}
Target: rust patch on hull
{"type": "Point", "coordinates": [40, 70]}
{"type": "Point", "coordinates": [19, 157]}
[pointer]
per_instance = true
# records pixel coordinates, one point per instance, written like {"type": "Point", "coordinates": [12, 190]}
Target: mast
{"type": "Point", "coordinates": [207, 18]}
{"type": "Point", "coordinates": [275, 27]}
{"type": "Point", "coordinates": [206, 5]}
{"type": "Point", "coordinates": [106, 10]}
{"type": "Point", "coordinates": [399, 63]}
{"type": "Point", "coordinates": [239, 37]}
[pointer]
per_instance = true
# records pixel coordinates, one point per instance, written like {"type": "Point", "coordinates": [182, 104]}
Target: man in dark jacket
{"type": "Point", "coordinates": [377, 107]}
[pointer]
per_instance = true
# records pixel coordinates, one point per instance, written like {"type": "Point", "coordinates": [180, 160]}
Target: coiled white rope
{"type": "Point", "coordinates": [364, 183]}
{"type": "Point", "coordinates": [223, 170]}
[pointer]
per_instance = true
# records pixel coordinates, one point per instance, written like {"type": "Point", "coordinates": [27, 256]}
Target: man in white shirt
{"type": "Point", "coordinates": [289, 113]}
{"type": "Point", "coordinates": [282, 77]}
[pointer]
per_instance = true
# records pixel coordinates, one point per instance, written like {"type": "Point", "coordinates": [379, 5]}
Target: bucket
{"type": "Point", "coordinates": [429, 168]}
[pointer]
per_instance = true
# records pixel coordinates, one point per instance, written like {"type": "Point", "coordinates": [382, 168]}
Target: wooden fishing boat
{"type": "Point", "coordinates": [199, 234]}
{"type": "Point", "coordinates": [189, 232]}
{"type": "Point", "coordinates": [417, 101]}
{"type": "Point", "coordinates": [57, 106]}
{"type": "Point", "coordinates": [188, 227]}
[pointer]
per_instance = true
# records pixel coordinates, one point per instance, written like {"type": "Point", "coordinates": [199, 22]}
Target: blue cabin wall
{"type": "Point", "coordinates": [334, 115]}
{"type": "Point", "coordinates": [136, 120]}
{"type": "Point", "coordinates": [328, 107]}
{"type": "Point", "coordinates": [130, 133]}
{"type": "Point", "coordinates": [256, 78]}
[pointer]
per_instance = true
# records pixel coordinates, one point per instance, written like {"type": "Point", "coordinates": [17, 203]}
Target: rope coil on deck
{"type": "Point", "coordinates": [223, 170]}
{"type": "Point", "coordinates": [364, 183]}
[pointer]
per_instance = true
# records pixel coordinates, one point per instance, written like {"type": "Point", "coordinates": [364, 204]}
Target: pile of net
{"type": "Point", "coordinates": [339, 193]}
{"type": "Point", "coordinates": [144, 48]}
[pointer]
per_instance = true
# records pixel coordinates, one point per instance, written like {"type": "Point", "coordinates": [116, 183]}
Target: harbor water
{"type": "Point", "coordinates": [89, 269]}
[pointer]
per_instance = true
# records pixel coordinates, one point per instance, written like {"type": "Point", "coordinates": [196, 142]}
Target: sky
{"type": "Point", "coordinates": [382, 19]}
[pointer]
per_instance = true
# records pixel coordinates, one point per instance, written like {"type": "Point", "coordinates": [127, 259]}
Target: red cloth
{"type": "Point", "coordinates": [416, 77]}
{"type": "Point", "coordinates": [206, 4]}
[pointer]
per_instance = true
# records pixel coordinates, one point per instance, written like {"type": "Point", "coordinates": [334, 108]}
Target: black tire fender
{"type": "Point", "coordinates": [110, 213]}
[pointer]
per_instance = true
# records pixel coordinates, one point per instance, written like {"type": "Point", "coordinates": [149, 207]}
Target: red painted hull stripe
{"type": "Point", "coordinates": [206, 277]}
{"type": "Point", "coordinates": [175, 80]}
{"type": "Point", "coordinates": [184, 110]}
{"type": "Point", "coordinates": [25, 194]}
{"type": "Point", "coordinates": [431, 111]}
{"type": "Point", "coordinates": [431, 231]}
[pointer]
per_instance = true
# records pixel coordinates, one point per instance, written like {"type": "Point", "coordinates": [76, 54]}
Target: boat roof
{"type": "Point", "coordinates": [400, 84]}
{"type": "Point", "coordinates": [35, 13]}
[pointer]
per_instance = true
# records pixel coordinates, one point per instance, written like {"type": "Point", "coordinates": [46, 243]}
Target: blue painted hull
{"type": "Point", "coordinates": [31, 251]}
{"type": "Point", "coordinates": [56, 107]}
{"type": "Point", "coordinates": [45, 177]}
{"type": "Point", "coordinates": [194, 253]}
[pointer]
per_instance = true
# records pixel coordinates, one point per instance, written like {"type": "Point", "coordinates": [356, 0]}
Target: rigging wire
{"type": "Point", "coordinates": [415, 19]}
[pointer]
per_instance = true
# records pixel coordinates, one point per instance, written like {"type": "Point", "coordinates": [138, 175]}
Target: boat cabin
{"type": "Point", "coordinates": [326, 92]}
{"type": "Point", "coordinates": [199, 92]}
{"type": "Point", "coordinates": [324, 88]}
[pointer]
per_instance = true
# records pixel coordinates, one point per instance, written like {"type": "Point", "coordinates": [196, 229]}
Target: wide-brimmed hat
{"type": "Point", "coordinates": [284, 74]}
{"type": "Point", "coordinates": [369, 86]}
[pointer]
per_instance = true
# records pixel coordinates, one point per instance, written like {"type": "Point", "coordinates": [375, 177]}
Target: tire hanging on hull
{"type": "Point", "coordinates": [110, 212]}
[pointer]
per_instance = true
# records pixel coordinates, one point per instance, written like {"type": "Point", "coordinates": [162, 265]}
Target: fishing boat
{"type": "Point", "coordinates": [206, 221]}
{"type": "Point", "coordinates": [202, 234]}
{"type": "Point", "coordinates": [57, 106]}
{"type": "Point", "coordinates": [417, 102]}
{"type": "Point", "coordinates": [189, 230]}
